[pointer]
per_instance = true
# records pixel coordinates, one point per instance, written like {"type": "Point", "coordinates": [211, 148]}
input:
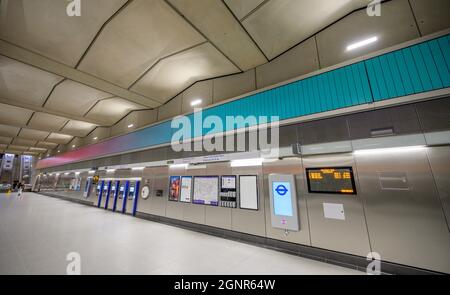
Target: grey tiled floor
{"type": "Point", "coordinates": [37, 233]}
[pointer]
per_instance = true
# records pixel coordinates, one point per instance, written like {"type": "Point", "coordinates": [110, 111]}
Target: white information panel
{"type": "Point", "coordinates": [206, 190]}
{"type": "Point", "coordinates": [186, 189]}
{"type": "Point", "coordinates": [248, 192]}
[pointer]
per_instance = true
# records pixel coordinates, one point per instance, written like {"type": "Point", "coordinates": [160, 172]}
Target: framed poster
{"type": "Point", "coordinates": [206, 190]}
{"type": "Point", "coordinates": [228, 191]}
{"type": "Point", "coordinates": [174, 188]}
{"type": "Point", "coordinates": [248, 192]}
{"type": "Point", "coordinates": [186, 189]}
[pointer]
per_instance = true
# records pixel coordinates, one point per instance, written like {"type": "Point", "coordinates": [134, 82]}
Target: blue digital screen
{"type": "Point", "coordinates": [282, 198]}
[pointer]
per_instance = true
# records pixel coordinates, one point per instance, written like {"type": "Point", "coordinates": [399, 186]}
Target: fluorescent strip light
{"type": "Point", "coordinates": [137, 168]}
{"type": "Point", "coordinates": [196, 102]}
{"type": "Point", "coordinates": [67, 173]}
{"type": "Point", "coordinates": [95, 138]}
{"type": "Point", "coordinates": [362, 43]}
{"type": "Point", "coordinates": [179, 166]}
{"type": "Point", "coordinates": [131, 125]}
{"type": "Point", "coordinates": [247, 162]}
{"type": "Point", "coordinates": [404, 149]}
{"type": "Point", "coordinates": [91, 171]}
{"type": "Point", "coordinates": [110, 170]}
{"type": "Point", "coordinates": [77, 173]}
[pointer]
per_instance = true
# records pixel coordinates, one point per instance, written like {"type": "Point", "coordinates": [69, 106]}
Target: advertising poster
{"type": "Point", "coordinates": [186, 189]}
{"type": "Point", "coordinates": [174, 188]}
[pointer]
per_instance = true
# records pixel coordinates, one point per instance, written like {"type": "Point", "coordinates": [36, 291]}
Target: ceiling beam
{"type": "Point", "coordinates": [28, 57]}
{"type": "Point", "coordinates": [39, 109]}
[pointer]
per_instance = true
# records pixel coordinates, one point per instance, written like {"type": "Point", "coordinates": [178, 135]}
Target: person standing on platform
{"type": "Point", "coordinates": [19, 190]}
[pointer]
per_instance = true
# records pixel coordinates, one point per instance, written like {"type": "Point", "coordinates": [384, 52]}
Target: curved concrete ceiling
{"type": "Point", "coordinates": [61, 77]}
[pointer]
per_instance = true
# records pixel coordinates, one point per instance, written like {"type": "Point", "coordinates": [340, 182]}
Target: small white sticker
{"type": "Point", "coordinates": [333, 211]}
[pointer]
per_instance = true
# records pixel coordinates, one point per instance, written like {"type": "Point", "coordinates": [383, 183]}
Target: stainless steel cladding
{"type": "Point", "coordinates": [378, 182]}
{"type": "Point", "coordinates": [345, 233]}
{"type": "Point", "coordinates": [404, 213]}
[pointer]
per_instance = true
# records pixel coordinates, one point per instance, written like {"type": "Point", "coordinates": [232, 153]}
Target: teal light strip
{"type": "Point", "coordinates": [416, 69]}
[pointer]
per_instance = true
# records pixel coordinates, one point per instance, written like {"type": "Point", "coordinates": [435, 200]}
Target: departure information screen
{"type": "Point", "coordinates": [331, 180]}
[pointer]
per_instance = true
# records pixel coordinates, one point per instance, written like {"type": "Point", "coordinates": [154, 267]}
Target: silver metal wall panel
{"type": "Point", "coordinates": [288, 166]}
{"type": "Point", "coordinates": [174, 210]}
{"type": "Point", "coordinates": [403, 210]}
{"type": "Point", "coordinates": [349, 235]}
{"type": "Point", "coordinates": [401, 120]}
{"type": "Point", "coordinates": [144, 205]}
{"type": "Point", "coordinates": [160, 181]}
{"type": "Point", "coordinates": [218, 216]}
{"type": "Point", "coordinates": [194, 213]}
{"type": "Point", "coordinates": [434, 115]}
{"type": "Point", "coordinates": [440, 165]}
{"type": "Point", "coordinates": [327, 130]}
{"type": "Point", "coordinates": [250, 221]}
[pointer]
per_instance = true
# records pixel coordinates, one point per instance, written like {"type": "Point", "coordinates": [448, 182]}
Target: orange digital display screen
{"type": "Point", "coordinates": [331, 180]}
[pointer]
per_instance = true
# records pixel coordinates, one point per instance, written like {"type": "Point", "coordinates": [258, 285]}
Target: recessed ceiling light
{"type": "Point", "coordinates": [196, 102]}
{"type": "Point", "coordinates": [95, 138]}
{"type": "Point", "coordinates": [362, 43]}
{"type": "Point", "coordinates": [73, 146]}
{"type": "Point", "coordinates": [131, 125]}
{"type": "Point", "coordinates": [59, 151]}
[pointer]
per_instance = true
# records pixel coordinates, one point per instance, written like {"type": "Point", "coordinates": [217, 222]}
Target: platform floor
{"type": "Point", "coordinates": [37, 233]}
